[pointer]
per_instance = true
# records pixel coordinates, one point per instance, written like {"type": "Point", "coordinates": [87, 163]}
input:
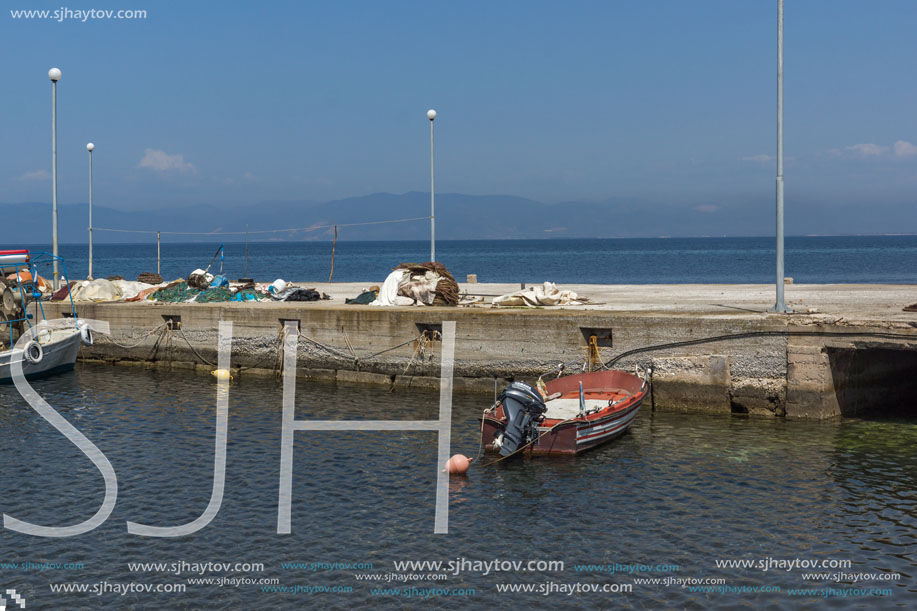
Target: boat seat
{"type": "Point", "coordinates": [564, 409]}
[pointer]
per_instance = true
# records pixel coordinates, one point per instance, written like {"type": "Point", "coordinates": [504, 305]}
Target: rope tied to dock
{"type": "Point", "coordinates": [107, 338]}
{"type": "Point", "coordinates": [521, 448]}
{"type": "Point", "coordinates": [752, 334]}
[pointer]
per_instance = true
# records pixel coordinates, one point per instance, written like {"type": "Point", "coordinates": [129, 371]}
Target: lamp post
{"type": "Point", "coordinates": [779, 305]}
{"type": "Point", "coordinates": [431, 114]}
{"type": "Point", "coordinates": [54, 74]}
{"type": "Point", "coordinates": [90, 147]}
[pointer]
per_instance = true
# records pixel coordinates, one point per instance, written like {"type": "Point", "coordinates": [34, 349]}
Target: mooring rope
{"type": "Point", "coordinates": [750, 334]}
{"type": "Point", "coordinates": [519, 449]}
{"type": "Point", "coordinates": [338, 353]}
{"type": "Point", "coordinates": [131, 347]}
{"type": "Point", "coordinates": [188, 341]}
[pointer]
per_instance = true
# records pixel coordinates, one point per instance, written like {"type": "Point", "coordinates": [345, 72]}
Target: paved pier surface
{"type": "Point", "coordinates": [848, 350]}
{"type": "Point", "coordinates": [879, 302]}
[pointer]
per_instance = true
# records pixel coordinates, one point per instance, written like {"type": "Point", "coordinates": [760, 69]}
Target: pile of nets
{"type": "Point", "coordinates": [214, 295]}
{"type": "Point", "coordinates": [179, 292]}
{"type": "Point", "coordinates": [418, 284]}
{"type": "Point", "coordinates": [446, 291]}
{"type": "Point", "coordinates": [149, 278]}
{"type": "Point", "coordinates": [176, 292]}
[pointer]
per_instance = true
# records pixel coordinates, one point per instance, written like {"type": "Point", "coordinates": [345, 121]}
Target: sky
{"type": "Point", "coordinates": [236, 103]}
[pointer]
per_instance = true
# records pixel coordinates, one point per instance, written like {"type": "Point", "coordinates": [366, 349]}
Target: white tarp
{"type": "Point", "coordinates": [95, 290]}
{"type": "Point", "coordinates": [388, 294]}
{"type": "Point", "coordinates": [108, 290]}
{"type": "Point", "coordinates": [130, 289]}
{"type": "Point", "coordinates": [422, 289]}
{"type": "Point", "coordinates": [547, 295]}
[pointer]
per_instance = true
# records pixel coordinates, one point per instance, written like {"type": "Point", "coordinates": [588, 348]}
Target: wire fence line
{"type": "Point", "coordinates": [262, 231]}
{"type": "Point", "coordinates": [247, 233]}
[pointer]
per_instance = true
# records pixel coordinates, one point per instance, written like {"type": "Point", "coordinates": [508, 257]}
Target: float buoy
{"type": "Point", "coordinates": [458, 464]}
{"type": "Point", "coordinates": [221, 374]}
{"type": "Point", "coordinates": [86, 335]}
{"type": "Point", "coordinates": [33, 352]}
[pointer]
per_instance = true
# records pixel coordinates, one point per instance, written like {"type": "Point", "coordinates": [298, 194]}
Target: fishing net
{"type": "Point", "coordinates": [175, 293]}
{"type": "Point", "coordinates": [215, 294]}
{"type": "Point", "coordinates": [447, 289]}
{"type": "Point", "coordinates": [149, 278]}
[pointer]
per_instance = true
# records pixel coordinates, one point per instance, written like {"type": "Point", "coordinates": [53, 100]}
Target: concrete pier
{"type": "Point", "coordinates": [804, 365]}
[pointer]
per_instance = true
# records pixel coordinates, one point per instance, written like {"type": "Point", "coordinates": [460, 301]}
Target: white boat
{"type": "Point", "coordinates": [41, 348]}
{"type": "Point", "coordinates": [51, 351]}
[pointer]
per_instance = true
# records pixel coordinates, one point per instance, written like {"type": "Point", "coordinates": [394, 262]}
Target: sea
{"type": "Point", "coordinates": [682, 512]}
{"type": "Point", "coordinates": [658, 519]}
{"type": "Point", "coordinates": [818, 260]}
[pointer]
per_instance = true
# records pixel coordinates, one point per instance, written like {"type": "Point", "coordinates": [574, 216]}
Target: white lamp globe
{"type": "Point", "coordinates": [431, 114]}
{"type": "Point", "coordinates": [54, 74]}
{"type": "Point", "coordinates": [90, 146]}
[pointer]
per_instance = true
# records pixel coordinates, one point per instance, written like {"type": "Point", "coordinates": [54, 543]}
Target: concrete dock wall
{"type": "Point", "coordinates": [772, 376]}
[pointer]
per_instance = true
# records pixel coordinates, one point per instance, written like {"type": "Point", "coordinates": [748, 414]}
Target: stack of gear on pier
{"type": "Point", "coordinates": [419, 284]}
{"type": "Point", "coordinates": [26, 278]}
{"type": "Point", "coordinates": [214, 294]}
{"type": "Point", "coordinates": [247, 294]}
{"type": "Point", "coordinates": [547, 295]}
{"type": "Point", "coordinates": [298, 294]}
{"type": "Point", "coordinates": [180, 292]}
{"type": "Point", "coordinates": [149, 278]}
{"type": "Point", "coordinates": [64, 291]}
{"type": "Point", "coordinates": [199, 279]}
{"type": "Point", "coordinates": [102, 289]}
{"type": "Point", "coordinates": [176, 292]}
{"type": "Point", "coordinates": [366, 297]}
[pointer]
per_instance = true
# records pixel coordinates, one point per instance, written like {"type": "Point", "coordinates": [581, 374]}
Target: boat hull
{"type": "Point", "coordinates": [577, 434]}
{"type": "Point", "coordinates": [59, 356]}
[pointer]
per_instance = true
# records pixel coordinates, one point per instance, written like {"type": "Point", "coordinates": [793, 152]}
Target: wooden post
{"type": "Point", "coordinates": [333, 244]}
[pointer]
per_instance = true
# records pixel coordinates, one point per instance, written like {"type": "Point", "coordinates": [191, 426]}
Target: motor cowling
{"type": "Point", "coordinates": [524, 409]}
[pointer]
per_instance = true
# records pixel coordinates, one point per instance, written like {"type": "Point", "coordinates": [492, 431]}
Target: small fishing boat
{"type": "Point", "coordinates": [567, 415]}
{"type": "Point", "coordinates": [41, 347]}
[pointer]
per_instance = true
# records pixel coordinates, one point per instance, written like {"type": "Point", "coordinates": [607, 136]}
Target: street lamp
{"type": "Point", "coordinates": [431, 114]}
{"type": "Point", "coordinates": [90, 147]}
{"type": "Point", "coordinates": [779, 305]}
{"type": "Point", "coordinates": [54, 74]}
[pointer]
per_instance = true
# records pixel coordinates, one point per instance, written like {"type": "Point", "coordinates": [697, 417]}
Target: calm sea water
{"type": "Point", "coordinates": [677, 490]}
{"type": "Point", "coordinates": [884, 259]}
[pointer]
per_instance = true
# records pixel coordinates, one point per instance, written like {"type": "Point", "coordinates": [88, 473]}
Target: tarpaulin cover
{"type": "Point", "coordinates": [547, 295]}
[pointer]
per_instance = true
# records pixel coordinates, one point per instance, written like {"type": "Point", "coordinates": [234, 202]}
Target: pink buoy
{"type": "Point", "coordinates": [458, 464]}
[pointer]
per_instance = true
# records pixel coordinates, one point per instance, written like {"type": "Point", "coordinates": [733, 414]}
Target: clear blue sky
{"type": "Point", "coordinates": [671, 101]}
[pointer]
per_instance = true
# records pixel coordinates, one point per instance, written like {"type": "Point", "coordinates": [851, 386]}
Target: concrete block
{"type": "Point", "coordinates": [692, 384]}
{"type": "Point", "coordinates": [362, 377]}
{"type": "Point", "coordinates": [426, 382]}
{"type": "Point", "coordinates": [758, 396]}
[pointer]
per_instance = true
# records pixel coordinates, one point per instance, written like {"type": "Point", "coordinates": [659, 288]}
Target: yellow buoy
{"type": "Point", "coordinates": [221, 374]}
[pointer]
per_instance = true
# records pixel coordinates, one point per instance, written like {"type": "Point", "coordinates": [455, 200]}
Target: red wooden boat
{"type": "Point", "coordinates": [569, 415]}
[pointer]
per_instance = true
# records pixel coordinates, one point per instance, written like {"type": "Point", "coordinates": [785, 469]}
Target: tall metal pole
{"type": "Point", "coordinates": [54, 74]}
{"type": "Point", "coordinates": [779, 305]}
{"type": "Point", "coordinates": [90, 147]}
{"type": "Point", "coordinates": [431, 114]}
{"type": "Point", "coordinates": [157, 253]}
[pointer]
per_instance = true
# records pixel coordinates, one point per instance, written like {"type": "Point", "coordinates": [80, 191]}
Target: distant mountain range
{"type": "Point", "coordinates": [458, 216]}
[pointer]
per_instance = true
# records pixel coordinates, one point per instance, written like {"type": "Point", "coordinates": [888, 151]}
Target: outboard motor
{"type": "Point", "coordinates": [524, 410]}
